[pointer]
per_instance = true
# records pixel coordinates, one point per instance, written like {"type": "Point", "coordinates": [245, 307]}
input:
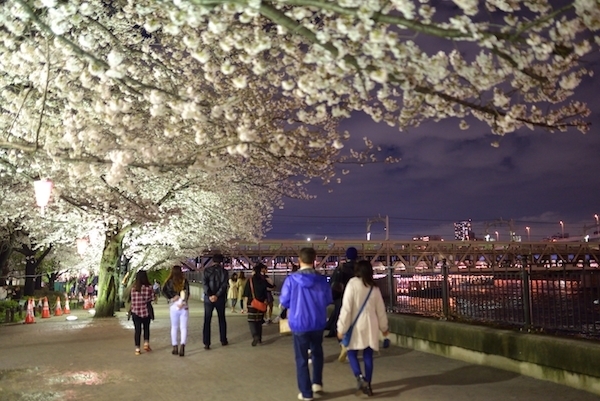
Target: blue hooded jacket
{"type": "Point", "coordinates": [306, 295]}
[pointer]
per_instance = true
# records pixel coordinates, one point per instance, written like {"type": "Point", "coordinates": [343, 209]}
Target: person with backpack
{"type": "Point", "coordinates": [339, 279]}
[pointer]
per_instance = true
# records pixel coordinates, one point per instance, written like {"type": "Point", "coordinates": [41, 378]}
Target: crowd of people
{"type": "Point", "coordinates": [358, 319]}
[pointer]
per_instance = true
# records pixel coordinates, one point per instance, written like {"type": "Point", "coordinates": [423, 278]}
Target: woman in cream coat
{"type": "Point", "coordinates": [371, 322]}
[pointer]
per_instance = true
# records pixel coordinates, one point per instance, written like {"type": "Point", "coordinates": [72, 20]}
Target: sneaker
{"type": "Point", "coordinates": [147, 348]}
{"type": "Point", "coordinates": [138, 352]}
{"type": "Point", "coordinates": [317, 388]}
{"type": "Point", "coordinates": [301, 397]}
{"type": "Point", "coordinates": [343, 354]}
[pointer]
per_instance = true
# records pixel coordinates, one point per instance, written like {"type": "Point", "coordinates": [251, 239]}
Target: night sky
{"type": "Point", "coordinates": [536, 178]}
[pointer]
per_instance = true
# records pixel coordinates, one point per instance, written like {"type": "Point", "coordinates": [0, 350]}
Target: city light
{"type": "Point", "coordinates": [497, 236]}
{"type": "Point", "coordinates": [562, 229]}
{"type": "Point", "coordinates": [528, 233]}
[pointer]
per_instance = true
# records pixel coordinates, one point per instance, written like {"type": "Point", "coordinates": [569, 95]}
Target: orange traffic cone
{"type": "Point", "coordinates": [30, 317]}
{"type": "Point", "coordinates": [67, 307]}
{"type": "Point", "coordinates": [46, 309]}
{"type": "Point", "coordinates": [58, 310]}
{"type": "Point", "coordinates": [86, 303]}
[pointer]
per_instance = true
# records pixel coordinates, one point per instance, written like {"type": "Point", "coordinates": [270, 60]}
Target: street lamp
{"type": "Point", "coordinates": [497, 236]}
{"type": "Point", "coordinates": [43, 189]}
{"type": "Point", "coordinates": [597, 231]}
{"type": "Point", "coordinates": [528, 234]}
{"type": "Point", "coordinates": [562, 229]}
{"type": "Point", "coordinates": [82, 245]}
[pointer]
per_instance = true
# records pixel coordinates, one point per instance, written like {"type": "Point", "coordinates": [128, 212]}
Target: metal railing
{"type": "Point", "coordinates": [562, 301]}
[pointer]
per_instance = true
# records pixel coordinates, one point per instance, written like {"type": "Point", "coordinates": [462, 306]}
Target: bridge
{"type": "Point", "coordinates": [427, 254]}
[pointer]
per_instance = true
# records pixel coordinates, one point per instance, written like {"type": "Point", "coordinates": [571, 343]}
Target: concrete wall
{"type": "Point", "coordinates": [566, 361]}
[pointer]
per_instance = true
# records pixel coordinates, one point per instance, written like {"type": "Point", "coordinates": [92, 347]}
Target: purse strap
{"type": "Point", "coordinates": [252, 288]}
{"type": "Point", "coordinates": [362, 307]}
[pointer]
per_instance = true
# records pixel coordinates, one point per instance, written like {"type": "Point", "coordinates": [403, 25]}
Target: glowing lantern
{"type": "Point", "coordinates": [82, 245]}
{"type": "Point", "coordinates": [43, 189]}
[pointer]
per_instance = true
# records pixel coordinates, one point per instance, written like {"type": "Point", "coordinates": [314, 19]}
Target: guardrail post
{"type": "Point", "coordinates": [392, 287]}
{"type": "Point", "coordinates": [445, 290]}
{"type": "Point", "coordinates": [526, 294]}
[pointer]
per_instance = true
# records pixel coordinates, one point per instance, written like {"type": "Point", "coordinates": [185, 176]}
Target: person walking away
{"type": "Point", "coordinates": [270, 299]}
{"type": "Point", "coordinates": [215, 294]}
{"type": "Point", "coordinates": [370, 322]}
{"type": "Point", "coordinates": [241, 287]}
{"type": "Point", "coordinates": [177, 291]}
{"type": "Point", "coordinates": [156, 289]}
{"type": "Point", "coordinates": [141, 295]}
{"type": "Point", "coordinates": [232, 292]}
{"type": "Point", "coordinates": [256, 288]}
{"type": "Point", "coordinates": [339, 279]}
{"type": "Point", "coordinates": [306, 295]}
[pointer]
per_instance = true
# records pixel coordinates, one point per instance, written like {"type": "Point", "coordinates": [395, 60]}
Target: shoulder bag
{"type": "Point", "coordinates": [348, 335]}
{"type": "Point", "coordinates": [255, 303]}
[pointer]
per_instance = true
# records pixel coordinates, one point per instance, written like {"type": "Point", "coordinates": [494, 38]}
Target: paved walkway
{"type": "Point", "coordinates": [87, 359]}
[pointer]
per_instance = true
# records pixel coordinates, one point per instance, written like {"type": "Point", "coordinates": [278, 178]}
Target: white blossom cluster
{"type": "Point", "coordinates": [127, 105]}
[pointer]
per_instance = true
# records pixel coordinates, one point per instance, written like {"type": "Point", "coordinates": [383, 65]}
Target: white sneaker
{"type": "Point", "coordinates": [317, 388]}
{"type": "Point", "coordinates": [301, 397]}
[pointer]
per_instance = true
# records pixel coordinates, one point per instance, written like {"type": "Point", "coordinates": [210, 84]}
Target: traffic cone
{"type": "Point", "coordinates": [58, 310]}
{"type": "Point", "coordinates": [86, 303]}
{"type": "Point", "coordinates": [45, 309]}
{"type": "Point", "coordinates": [29, 318]}
{"type": "Point", "coordinates": [67, 307]}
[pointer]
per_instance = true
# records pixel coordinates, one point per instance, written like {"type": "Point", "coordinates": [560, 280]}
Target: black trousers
{"type": "Point", "coordinates": [138, 323]}
{"type": "Point", "coordinates": [333, 318]}
{"type": "Point", "coordinates": [208, 312]}
{"type": "Point", "coordinates": [255, 322]}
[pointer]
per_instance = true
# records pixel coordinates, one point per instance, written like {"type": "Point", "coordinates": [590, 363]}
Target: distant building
{"type": "Point", "coordinates": [463, 231]}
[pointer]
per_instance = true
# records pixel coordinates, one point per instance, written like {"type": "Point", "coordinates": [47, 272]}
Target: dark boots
{"type": "Point", "coordinates": [363, 387]}
{"type": "Point", "coordinates": [182, 350]}
{"type": "Point", "coordinates": [175, 350]}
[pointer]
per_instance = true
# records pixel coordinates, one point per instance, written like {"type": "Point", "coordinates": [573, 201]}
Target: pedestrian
{"type": "Point", "coordinates": [156, 289]}
{"type": "Point", "coordinates": [306, 294]}
{"type": "Point", "coordinates": [215, 294]}
{"type": "Point", "coordinates": [141, 295]}
{"type": "Point", "coordinates": [361, 290]}
{"type": "Point", "coordinates": [339, 279]}
{"type": "Point", "coordinates": [270, 299]}
{"type": "Point", "coordinates": [241, 286]}
{"type": "Point", "coordinates": [232, 292]}
{"type": "Point", "coordinates": [177, 291]}
{"type": "Point", "coordinates": [256, 289]}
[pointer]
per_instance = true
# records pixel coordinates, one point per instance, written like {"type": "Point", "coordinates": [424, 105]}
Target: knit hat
{"type": "Point", "coordinates": [351, 253]}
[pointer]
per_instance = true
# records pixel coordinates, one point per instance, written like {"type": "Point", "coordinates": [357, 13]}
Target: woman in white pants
{"type": "Point", "coordinates": [177, 290]}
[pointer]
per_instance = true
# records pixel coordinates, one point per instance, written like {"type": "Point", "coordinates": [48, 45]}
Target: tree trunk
{"type": "Point", "coordinates": [6, 248]}
{"type": "Point", "coordinates": [31, 266]}
{"type": "Point", "coordinates": [108, 275]}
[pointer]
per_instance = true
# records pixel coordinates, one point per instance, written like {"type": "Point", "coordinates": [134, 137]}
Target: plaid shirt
{"type": "Point", "coordinates": [139, 300]}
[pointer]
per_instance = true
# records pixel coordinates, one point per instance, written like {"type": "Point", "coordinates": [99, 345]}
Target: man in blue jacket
{"type": "Point", "coordinates": [306, 294]}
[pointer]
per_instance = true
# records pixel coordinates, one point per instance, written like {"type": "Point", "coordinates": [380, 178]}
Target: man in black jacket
{"type": "Point", "coordinates": [216, 280]}
{"type": "Point", "coordinates": [339, 279]}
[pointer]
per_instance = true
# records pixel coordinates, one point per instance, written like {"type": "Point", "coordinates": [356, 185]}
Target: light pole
{"type": "Point", "coordinates": [562, 229]}
{"type": "Point", "coordinates": [497, 236]}
{"type": "Point", "coordinates": [528, 234]}
{"type": "Point", "coordinates": [597, 231]}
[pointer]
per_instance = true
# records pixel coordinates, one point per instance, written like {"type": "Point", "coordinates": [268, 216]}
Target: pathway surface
{"type": "Point", "coordinates": [93, 359]}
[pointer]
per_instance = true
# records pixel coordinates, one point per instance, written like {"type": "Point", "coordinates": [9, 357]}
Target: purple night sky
{"type": "Point", "coordinates": [537, 178]}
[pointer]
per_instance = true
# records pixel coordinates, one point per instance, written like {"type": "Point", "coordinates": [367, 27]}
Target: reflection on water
{"type": "Point", "coordinates": [564, 301]}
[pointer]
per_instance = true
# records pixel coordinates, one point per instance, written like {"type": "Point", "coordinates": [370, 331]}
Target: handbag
{"type": "Point", "coordinates": [348, 335]}
{"type": "Point", "coordinates": [255, 303]}
{"type": "Point", "coordinates": [150, 310]}
{"type": "Point", "coordinates": [284, 325]}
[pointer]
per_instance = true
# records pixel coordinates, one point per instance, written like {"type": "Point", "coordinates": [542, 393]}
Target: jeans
{"type": "Point", "coordinates": [219, 305]}
{"type": "Point", "coordinates": [179, 322]}
{"type": "Point", "coordinates": [367, 359]}
{"type": "Point", "coordinates": [304, 341]}
{"type": "Point", "coordinates": [333, 318]}
{"type": "Point", "coordinates": [138, 322]}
